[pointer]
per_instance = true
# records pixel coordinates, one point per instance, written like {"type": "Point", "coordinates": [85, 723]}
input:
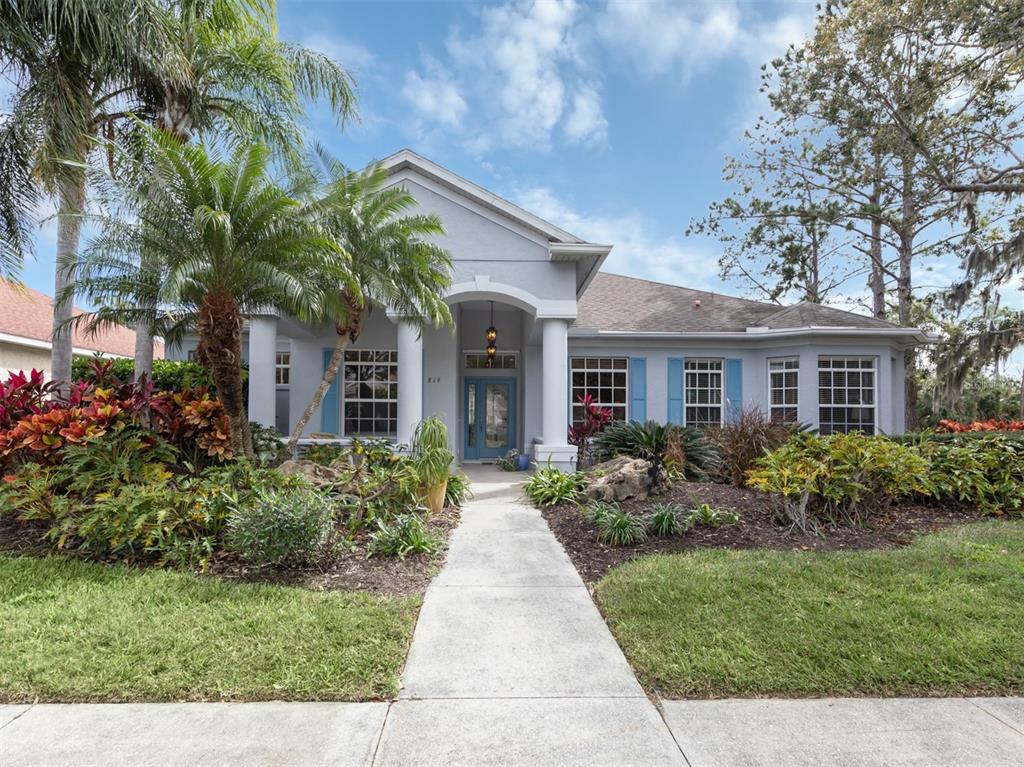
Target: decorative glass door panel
{"type": "Point", "coordinates": [489, 417]}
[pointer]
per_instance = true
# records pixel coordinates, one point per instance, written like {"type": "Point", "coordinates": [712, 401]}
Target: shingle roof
{"type": "Point", "coordinates": [614, 302]}
{"type": "Point", "coordinates": [27, 313]}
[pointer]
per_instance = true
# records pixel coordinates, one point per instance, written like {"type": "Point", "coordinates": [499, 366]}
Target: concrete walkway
{"type": "Point", "coordinates": [511, 664]}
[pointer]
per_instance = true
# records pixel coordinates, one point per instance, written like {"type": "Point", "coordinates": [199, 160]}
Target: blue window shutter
{"type": "Point", "coordinates": [638, 388]}
{"type": "Point", "coordinates": [733, 389]}
{"type": "Point", "coordinates": [330, 407]}
{"type": "Point", "coordinates": [675, 390]}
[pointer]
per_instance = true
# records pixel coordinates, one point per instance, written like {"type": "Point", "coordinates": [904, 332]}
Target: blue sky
{"type": "Point", "coordinates": [610, 119]}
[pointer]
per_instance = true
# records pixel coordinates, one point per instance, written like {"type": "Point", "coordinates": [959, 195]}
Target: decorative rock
{"type": "Point", "coordinates": [624, 477]}
{"type": "Point", "coordinates": [311, 471]}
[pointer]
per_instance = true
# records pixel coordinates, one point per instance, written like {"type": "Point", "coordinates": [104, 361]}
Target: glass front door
{"type": "Point", "coordinates": [490, 417]}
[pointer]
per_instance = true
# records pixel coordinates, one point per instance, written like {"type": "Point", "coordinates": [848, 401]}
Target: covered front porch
{"type": "Point", "coordinates": [396, 374]}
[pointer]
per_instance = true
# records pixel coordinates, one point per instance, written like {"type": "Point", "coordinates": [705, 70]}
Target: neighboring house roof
{"type": "Point", "coordinates": [26, 317]}
{"type": "Point", "coordinates": [614, 304]}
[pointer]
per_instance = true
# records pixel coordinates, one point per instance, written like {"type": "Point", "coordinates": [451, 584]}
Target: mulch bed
{"type": "Point", "coordinates": [351, 571]}
{"type": "Point", "coordinates": [354, 571]}
{"type": "Point", "coordinates": [757, 528]}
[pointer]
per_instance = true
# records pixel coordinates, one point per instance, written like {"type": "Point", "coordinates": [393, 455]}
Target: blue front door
{"type": "Point", "coordinates": [489, 410]}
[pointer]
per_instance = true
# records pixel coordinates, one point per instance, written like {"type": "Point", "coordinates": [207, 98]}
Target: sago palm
{"type": "Point", "coordinates": [70, 62]}
{"type": "Point", "coordinates": [224, 71]}
{"type": "Point", "coordinates": [231, 241]}
{"type": "Point", "coordinates": [393, 262]}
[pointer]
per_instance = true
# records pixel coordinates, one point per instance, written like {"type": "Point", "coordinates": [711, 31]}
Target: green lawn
{"type": "Point", "coordinates": [74, 631]}
{"type": "Point", "coordinates": [944, 616]}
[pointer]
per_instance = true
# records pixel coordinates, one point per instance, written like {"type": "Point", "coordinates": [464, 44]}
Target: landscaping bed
{"type": "Point", "coordinates": [79, 631]}
{"type": "Point", "coordinates": [758, 528]}
{"type": "Point", "coordinates": [354, 570]}
{"type": "Point", "coordinates": [943, 616]}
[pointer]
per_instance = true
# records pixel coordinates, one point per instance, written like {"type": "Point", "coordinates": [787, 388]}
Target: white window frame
{"type": "Point", "coordinates": [846, 389]}
{"type": "Point", "coordinates": [772, 388]}
{"type": "Point", "coordinates": [389, 400]}
{"type": "Point", "coordinates": [284, 367]}
{"type": "Point", "coordinates": [588, 369]}
{"type": "Point", "coordinates": [696, 371]}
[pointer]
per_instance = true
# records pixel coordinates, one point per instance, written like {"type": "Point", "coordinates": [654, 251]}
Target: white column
{"type": "Point", "coordinates": [262, 359]}
{"type": "Point", "coordinates": [555, 387]}
{"type": "Point", "coordinates": [410, 380]}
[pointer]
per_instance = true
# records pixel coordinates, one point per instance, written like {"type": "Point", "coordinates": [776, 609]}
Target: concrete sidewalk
{"type": "Point", "coordinates": [511, 664]}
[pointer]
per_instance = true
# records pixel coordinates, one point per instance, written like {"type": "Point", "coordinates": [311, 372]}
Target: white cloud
{"type": "Point", "coordinates": [683, 39]}
{"type": "Point", "coordinates": [587, 123]}
{"type": "Point", "coordinates": [638, 250]}
{"type": "Point", "coordinates": [435, 96]}
{"type": "Point", "coordinates": [350, 55]}
{"type": "Point", "coordinates": [521, 78]}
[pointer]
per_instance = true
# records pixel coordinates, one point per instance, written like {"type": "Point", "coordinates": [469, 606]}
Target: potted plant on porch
{"type": "Point", "coordinates": [433, 460]}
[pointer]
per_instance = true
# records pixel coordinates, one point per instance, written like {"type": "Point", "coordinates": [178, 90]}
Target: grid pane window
{"type": "Point", "coordinates": [370, 395]}
{"type": "Point", "coordinates": [784, 389]}
{"type": "Point", "coordinates": [702, 392]}
{"type": "Point", "coordinates": [606, 379]}
{"type": "Point", "coordinates": [846, 394]}
{"type": "Point", "coordinates": [478, 361]}
{"type": "Point", "coordinates": [283, 368]}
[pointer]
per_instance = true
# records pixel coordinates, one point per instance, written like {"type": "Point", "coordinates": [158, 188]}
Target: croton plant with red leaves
{"type": "Point", "coordinates": [950, 426]}
{"type": "Point", "coordinates": [595, 418]}
{"type": "Point", "coordinates": [36, 418]}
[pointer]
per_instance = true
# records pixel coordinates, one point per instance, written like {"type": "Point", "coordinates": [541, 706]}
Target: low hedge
{"type": "Point", "coordinates": [168, 375]}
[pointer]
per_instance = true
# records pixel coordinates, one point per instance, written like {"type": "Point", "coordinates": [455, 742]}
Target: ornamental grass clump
{"type": "Point", "coordinates": [620, 528]}
{"type": "Point", "coordinates": [667, 519]}
{"type": "Point", "coordinates": [550, 487]}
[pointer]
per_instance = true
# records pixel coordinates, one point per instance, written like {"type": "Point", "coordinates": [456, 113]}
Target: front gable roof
{"type": "Point", "coordinates": [406, 158]}
{"type": "Point", "coordinates": [562, 245]}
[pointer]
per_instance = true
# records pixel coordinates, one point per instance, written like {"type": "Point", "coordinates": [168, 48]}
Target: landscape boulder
{"type": "Point", "coordinates": [312, 471]}
{"type": "Point", "coordinates": [623, 478]}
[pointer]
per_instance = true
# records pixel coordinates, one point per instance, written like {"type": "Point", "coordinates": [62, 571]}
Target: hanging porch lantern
{"type": "Point", "coordinates": [492, 340]}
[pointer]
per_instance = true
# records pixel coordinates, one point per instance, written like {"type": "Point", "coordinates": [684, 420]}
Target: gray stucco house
{"type": "Point", "coordinates": [644, 349]}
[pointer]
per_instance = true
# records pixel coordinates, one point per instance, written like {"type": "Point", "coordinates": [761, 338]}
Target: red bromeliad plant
{"type": "Point", "coordinates": [595, 418]}
{"type": "Point", "coordinates": [950, 426]}
{"type": "Point", "coordinates": [23, 395]}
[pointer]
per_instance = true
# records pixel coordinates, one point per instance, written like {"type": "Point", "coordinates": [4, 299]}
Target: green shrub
{"type": "Point", "coordinates": [986, 473]}
{"type": "Point", "coordinates": [620, 528]}
{"type": "Point", "coordinates": [839, 478]}
{"type": "Point", "coordinates": [457, 490]}
{"type": "Point", "coordinates": [281, 527]}
{"type": "Point", "coordinates": [267, 445]}
{"type": "Point", "coordinates": [595, 511]}
{"type": "Point", "coordinates": [325, 454]}
{"type": "Point", "coordinates": [405, 534]}
{"type": "Point", "coordinates": [168, 375]}
{"type": "Point", "coordinates": [667, 519]}
{"type": "Point", "coordinates": [683, 451]}
{"type": "Point", "coordinates": [121, 456]}
{"type": "Point", "coordinates": [748, 437]}
{"type": "Point", "coordinates": [707, 515]}
{"type": "Point", "coordinates": [549, 487]}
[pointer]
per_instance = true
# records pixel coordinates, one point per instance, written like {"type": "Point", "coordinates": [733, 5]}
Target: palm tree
{"type": "Point", "coordinates": [225, 70]}
{"type": "Point", "coordinates": [70, 61]}
{"type": "Point", "coordinates": [392, 263]}
{"type": "Point", "coordinates": [230, 241]}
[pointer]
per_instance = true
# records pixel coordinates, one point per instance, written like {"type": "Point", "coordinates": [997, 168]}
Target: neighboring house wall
{"type": "Point", "coordinates": [15, 357]}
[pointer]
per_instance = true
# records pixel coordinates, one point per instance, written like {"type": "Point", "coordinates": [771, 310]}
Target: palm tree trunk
{"type": "Point", "coordinates": [71, 201]}
{"type": "Point", "coordinates": [321, 391]}
{"type": "Point", "coordinates": [220, 331]}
